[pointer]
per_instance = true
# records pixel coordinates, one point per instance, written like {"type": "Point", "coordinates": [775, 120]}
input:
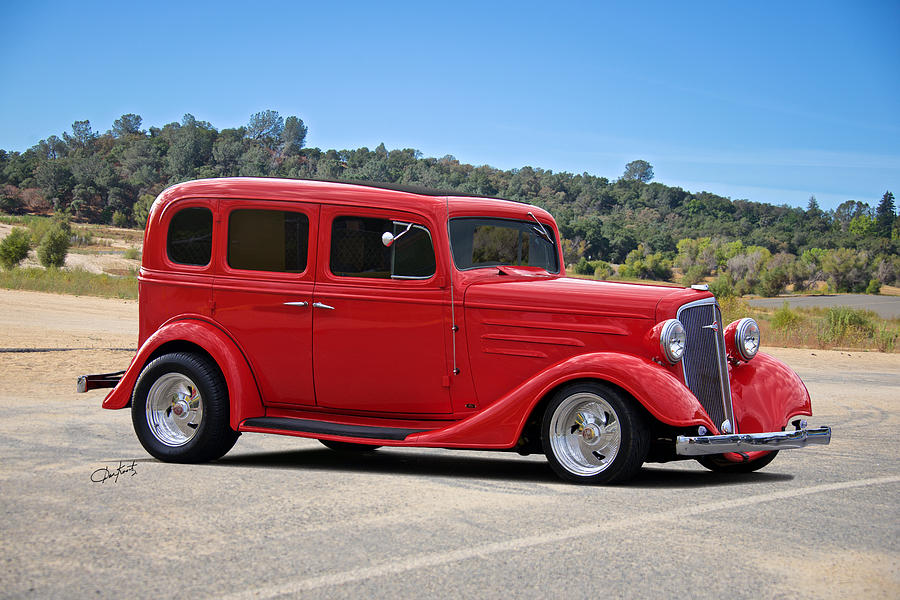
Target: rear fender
{"type": "Point", "coordinates": [244, 395]}
{"type": "Point", "coordinates": [501, 423]}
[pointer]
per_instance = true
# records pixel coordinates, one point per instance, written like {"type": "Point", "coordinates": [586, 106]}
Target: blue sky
{"type": "Point", "coordinates": [770, 101]}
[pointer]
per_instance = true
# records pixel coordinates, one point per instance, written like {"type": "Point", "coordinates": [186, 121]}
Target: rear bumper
{"type": "Point", "coordinates": [95, 382]}
{"type": "Point", "coordinates": [749, 442]}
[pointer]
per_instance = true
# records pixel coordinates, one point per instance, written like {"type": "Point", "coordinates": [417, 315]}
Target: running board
{"type": "Point", "coordinates": [323, 427]}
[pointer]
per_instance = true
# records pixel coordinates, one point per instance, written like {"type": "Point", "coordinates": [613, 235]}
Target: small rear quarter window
{"type": "Point", "coordinates": [189, 240]}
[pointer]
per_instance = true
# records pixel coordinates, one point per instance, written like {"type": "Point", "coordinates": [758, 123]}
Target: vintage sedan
{"type": "Point", "coordinates": [365, 315]}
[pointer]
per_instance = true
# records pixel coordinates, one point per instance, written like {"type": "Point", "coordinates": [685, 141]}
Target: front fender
{"type": "Point", "coordinates": [243, 393]}
{"type": "Point", "coordinates": [501, 423]}
{"type": "Point", "coordinates": [766, 394]}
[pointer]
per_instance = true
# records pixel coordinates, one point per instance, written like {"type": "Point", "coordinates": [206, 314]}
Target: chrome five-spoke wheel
{"type": "Point", "coordinates": [593, 434]}
{"type": "Point", "coordinates": [174, 409]}
{"type": "Point", "coordinates": [585, 434]}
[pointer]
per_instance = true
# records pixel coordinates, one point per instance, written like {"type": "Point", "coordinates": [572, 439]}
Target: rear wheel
{"type": "Point", "coordinates": [180, 409]}
{"type": "Point", "coordinates": [348, 446]}
{"type": "Point", "coordinates": [592, 434]}
{"type": "Point", "coordinates": [718, 464]}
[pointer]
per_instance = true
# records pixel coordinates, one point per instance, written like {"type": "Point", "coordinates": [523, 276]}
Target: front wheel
{"type": "Point", "coordinates": [592, 434]}
{"type": "Point", "coordinates": [180, 409]}
{"type": "Point", "coordinates": [717, 464]}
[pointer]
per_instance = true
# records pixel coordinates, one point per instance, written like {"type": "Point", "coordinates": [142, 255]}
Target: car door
{"type": "Point", "coordinates": [263, 292]}
{"type": "Point", "coordinates": [379, 315]}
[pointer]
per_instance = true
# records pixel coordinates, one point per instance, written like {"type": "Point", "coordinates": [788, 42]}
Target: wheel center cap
{"type": "Point", "coordinates": [180, 408]}
{"type": "Point", "coordinates": [590, 433]}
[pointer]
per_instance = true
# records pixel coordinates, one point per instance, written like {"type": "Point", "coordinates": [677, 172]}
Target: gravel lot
{"type": "Point", "coordinates": [286, 517]}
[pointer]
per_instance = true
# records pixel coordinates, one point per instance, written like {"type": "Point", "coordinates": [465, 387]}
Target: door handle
{"type": "Point", "coordinates": [320, 305]}
{"type": "Point", "coordinates": [300, 304]}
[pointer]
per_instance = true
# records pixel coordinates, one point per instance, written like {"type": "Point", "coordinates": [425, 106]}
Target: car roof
{"type": "Point", "coordinates": [374, 194]}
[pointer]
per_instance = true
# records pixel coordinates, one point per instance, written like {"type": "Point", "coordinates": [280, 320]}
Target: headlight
{"type": "Point", "coordinates": [671, 340]}
{"type": "Point", "coordinates": [746, 338]}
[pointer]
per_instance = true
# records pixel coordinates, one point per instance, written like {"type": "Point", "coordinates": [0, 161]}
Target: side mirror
{"type": "Point", "coordinates": [388, 238]}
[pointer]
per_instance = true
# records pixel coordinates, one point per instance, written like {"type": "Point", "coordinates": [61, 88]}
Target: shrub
{"type": "Point", "coordinates": [14, 248]}
{"type": "Point", "coordinates": [874, 287]}
{"type": "Point", "coordinates": [119, 219]}
{"type": "Point", "coordinates": [141, 210]}
{"type": "Point", "coordinates": [640, 264]}
{"type": "Point", "coordinates": [133, 254]}
{"type": "Point", "coordinates": [694, 274]}
{"type": "Point", "coordinates": [603, 270]}
{"type": "Point", "coordinates": [583, 267]}
{"type": "Point", "coordinates": [847, 270]}
{"type": "Point", "coordinates": [785, 318]}
{"type": "Point", "coordinates": [9, 204]}
{"type": "Point", "coordinates": [722, 286]}
{"type": "Point", "coordinates": [54, 247]}
{"type": "Point", "coordinates": [773, 281]}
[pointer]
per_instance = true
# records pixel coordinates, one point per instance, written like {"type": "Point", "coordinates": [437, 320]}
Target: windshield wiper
{"type": "Point", "coordinates": [542, 231]}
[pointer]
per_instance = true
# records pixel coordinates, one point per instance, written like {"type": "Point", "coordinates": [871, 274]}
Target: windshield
{"type": "Point", "coordinates": [482, 242]}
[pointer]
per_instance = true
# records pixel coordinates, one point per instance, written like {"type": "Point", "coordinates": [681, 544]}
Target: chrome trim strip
{"type": "Point", "coordinates": [748, 442]}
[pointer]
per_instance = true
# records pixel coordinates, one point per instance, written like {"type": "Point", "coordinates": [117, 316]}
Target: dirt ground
{"type": "Point", "coordinates": [285, 517]}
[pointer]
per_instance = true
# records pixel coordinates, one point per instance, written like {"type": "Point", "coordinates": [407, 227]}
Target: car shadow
{"type": "Point", "coordinates": [398, 462]}
{"type": "Point", "coordinates": [503, 467]}
{"type": "Point", "coordinates": [671, 476]}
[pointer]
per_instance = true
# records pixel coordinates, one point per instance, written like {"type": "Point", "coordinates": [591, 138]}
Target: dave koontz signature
{"type": "Point", "coordinates": [103, 474]}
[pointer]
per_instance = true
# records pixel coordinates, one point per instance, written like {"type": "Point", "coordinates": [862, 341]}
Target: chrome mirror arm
{"type": "Point", "coordinates": [388, 238]}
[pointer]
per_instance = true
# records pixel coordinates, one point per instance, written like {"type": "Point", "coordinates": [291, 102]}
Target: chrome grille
{"type": "Point", "coordinates": [705, 369]}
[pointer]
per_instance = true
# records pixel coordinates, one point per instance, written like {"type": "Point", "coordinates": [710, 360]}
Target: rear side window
{"type": "Point", "coordinates": [357, 249]}
{"type": "Point", "coordinates": [190, 237]}
{"type": "Point", "coordinates": [268, 240]}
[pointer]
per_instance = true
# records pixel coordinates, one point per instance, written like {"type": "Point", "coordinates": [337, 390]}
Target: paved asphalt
{"type": "Point", "coordinates": [887, 307]}
{"type": "Point", "coordinates": [286, 517]}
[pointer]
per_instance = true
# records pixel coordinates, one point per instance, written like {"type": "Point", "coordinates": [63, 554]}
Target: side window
{"type": "Point", "coordinates": [357, 249]}
{"type": "Point", "coordinates": [189, 240]}
{"type": "Point", "coordinates": [268, 240]}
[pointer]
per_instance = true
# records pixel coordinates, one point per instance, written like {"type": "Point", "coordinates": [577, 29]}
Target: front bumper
{"type": "Point", "coordinates": [750, 442]}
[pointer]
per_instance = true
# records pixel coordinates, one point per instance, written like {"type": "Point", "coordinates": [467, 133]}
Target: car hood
{"type": "Point", "coordinates": [572, 295]}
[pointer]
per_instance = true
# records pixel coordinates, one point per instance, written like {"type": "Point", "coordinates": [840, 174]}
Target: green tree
{"type": "Point", "coordinates": [14, 248]}
{"type": "Point", "coordinates": [54, 246]}
{"type": "Point", "coordinates": [128, 124]}
{"type": "Point", "coordinates": [293, 136]}
{"type": "Point", "coordinates": [884, 215]}
{"type": "Point", "coordinates": [266, 128]}
{"type": "Point", "coordinates": [82, 137]}
{"type": "Point", "coordinates": [638, 170]}
{"type": "Point", "coordinates": [847, 270]}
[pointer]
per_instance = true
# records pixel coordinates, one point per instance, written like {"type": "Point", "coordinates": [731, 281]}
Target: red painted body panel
{"type": "Point", "coordinates": [385, 356]}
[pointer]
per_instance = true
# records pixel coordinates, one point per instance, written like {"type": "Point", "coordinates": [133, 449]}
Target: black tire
{"type": "Point", "coordinates": [607, 445]}
{"type": "Point", "coordinates": [349, 446]}
{"type": "Point", "coordinates": [716, 463]}
{"type": "Point", "coordinates": [180, 409]}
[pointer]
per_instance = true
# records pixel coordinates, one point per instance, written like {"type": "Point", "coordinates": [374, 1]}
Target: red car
{"type": "Point", "coordinates": [365, 315]}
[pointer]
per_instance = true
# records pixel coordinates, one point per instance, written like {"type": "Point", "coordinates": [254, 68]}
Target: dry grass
{"type": "Point", "coordinates": [75, 281]}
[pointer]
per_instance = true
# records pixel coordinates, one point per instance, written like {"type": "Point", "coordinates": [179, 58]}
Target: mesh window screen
{"type": "Point", "coordinates": [190, 237]}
